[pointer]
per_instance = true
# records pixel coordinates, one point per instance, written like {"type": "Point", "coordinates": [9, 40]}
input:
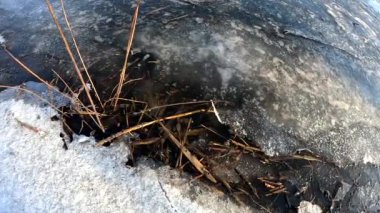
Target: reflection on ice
{"type": "Point", "coordinates": [375, 4]}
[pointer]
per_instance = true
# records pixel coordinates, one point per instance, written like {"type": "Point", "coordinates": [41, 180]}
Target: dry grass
{"type": "Point", "coordinates": [146, 124]}
{"type": "Point", "coordinates": [123, 73]}
{"type": "Point", "coordinates": [76, 68]}
{"type": "Point", "coordinates": [79, 54]}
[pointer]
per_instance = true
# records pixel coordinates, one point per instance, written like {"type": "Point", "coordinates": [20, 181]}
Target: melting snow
{"type": "Point", "coordinates": [38, 175]}
{"type": "Point", "coordinates": [308, 207]}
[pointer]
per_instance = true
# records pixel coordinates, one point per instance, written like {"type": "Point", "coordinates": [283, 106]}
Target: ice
{"type": "Point", "coordinates": [375, 4]}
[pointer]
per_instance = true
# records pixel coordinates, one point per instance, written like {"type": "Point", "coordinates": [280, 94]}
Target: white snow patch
{"type": "Point", "coordinates": [308, 207]}
{"type": "Point", "coordinates": [368, 158]}
{"type": "Point", "coordinates": [2, 39]}
{"type": "Point", "coordinates": [38, 175]}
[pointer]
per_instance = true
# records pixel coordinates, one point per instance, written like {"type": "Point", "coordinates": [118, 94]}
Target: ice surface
{"type": "Point", "coordinates": [375, 4]}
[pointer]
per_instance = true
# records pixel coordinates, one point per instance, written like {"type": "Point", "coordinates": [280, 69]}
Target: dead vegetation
{"type": "Point", "coordinates": [189, 136]}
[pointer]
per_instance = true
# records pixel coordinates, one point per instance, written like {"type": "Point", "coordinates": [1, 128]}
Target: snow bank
{"type": "Point", "coordinates": [38, 175]}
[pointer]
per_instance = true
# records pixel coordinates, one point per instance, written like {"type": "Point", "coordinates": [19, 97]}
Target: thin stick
{"type": "Point", "coordinates": [170, 105]}
{"type": "Point", "coordinates": [146, 142]}
{"type": "Point", "coordinates": [129, 45]}
{"type": "Point", "coordinates": [216, 112]}
{"type": "Point", "coordinates": [154, 11]}
{"type": "Point", "coordinates": [87, 111]}
{"type": "Point", "coordinates": [28, 126]}
{"type": "Point", "coordinates": [277, 191]}
{"type": "Point", "coordinates": [68, 87]}
{"type": "Point", "coordinates": [253, 200]}
{"type": "Point", "coordinates": [177, 18]}
{"type": "Point", "coordinates": [247, 148]}
{"type": "Point", "coordinates": [140, 126]}
{"type": "Point", "coordinates": [194, 160]}
{"type": "Point", "coordinates": [79, 54]}
{"type": "Point", "coordinates": [27, 69]}
{"type": "Point", "coordinates": [184, 140]}
{"type": "Point", "coordinates": [67, 46]}
{"type": "Point", "coordinates": [253, 189]}
{"type": "Point", "coordinates": [128, 100]}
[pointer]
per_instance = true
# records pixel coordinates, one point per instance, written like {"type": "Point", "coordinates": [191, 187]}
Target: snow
{"type": "Point", "coordinates": [308, 207]}
{"type": "Point", "coordinates": [38, 175]}
{"type": "Point", "coordinates": [2, 39]}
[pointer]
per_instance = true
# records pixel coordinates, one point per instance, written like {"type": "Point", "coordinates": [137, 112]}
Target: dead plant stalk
{"type": "Point", "coordinates": [193, 159]}
{"type": "Point", "coordinates": [50, 86]}
{"type": "Point", "coordinates": [34, 94]}
{"type": "Point", "coordinates": [79, 54]}
{"type": "Point", "coordinates": [70, 53]}
{"type": "Point", "coordinates": [129, 46]}
{"type": "Point", "coordinates": [146, 124]}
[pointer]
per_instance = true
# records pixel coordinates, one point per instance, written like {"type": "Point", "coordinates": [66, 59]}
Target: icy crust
{"type": "Point", "coordinates": [38, 175]}
{"type": "Point", "coordinates": [301, 86]}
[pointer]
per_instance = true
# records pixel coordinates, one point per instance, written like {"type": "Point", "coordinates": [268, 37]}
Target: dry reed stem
{"type": "Point", "coordinates": [245, 147]}
{"type": "Point", "coordinates": [50, 86]}
{"type": "Point", "coordinates": [63, 81]}
{"type": "Point", "coordinates": [146, 142]}
{"type": "Point", "coordinates": [79, 54]}
{"type": "Point", "coordinates": [306, 157]}
{"type": "Point", "coordinates": [30, 71]}
{"type": "Point", "coordinates": [270, 184]}
{"type": "Point", "coordinates": [253, 200]}
{"type": "Point", "coordinates": [193, 159]}
{"type": "Point", "coordinates": [253, 189]}
{"type": "Point", "coordinates": [126, 99]}
{"type": "Point", "coordinates": [177, 18]}
{"type": "Point", "coordinates": [28, 126]}
{"type": "Point", "coordinates": [216, 112]}
{"type": "Point", "coordinates": [70, 53]}
{"type": "Point", "coordinates": [277, 191]}
{"type": "Point", "coordinates": [146, 124]}
{"type": "Point", "coordinates": [87, 110]}
{"type": "Point", "coordinates": [170, 105]}
{"type": "Point", "coordinates": [154, 11]}
{"type": "Point", "coordinates": [184, 140]}
{"type": "Point", "coordinates": [129, 45]}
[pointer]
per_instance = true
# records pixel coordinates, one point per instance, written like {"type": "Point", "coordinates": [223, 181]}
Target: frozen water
{"type": "Point", "coordinates": [375, 4]}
